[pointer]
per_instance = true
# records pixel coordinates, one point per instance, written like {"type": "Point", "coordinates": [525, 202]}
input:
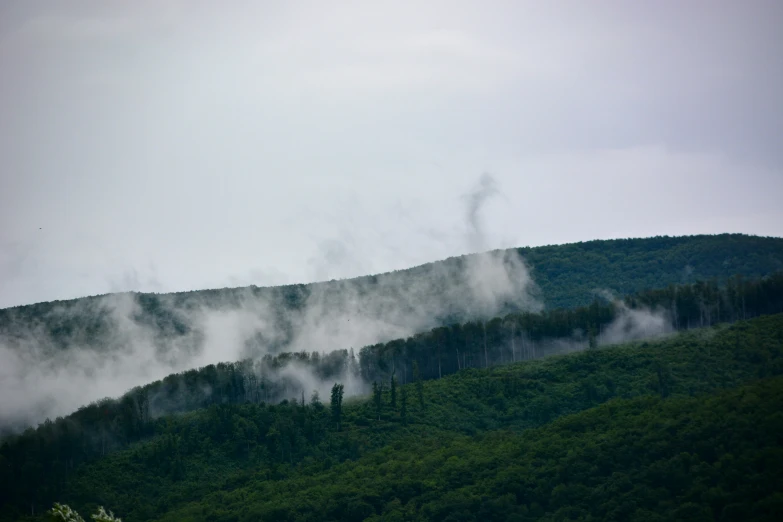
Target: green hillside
{"type": "Point", "coordinates": [568, 274]}
{"type": "Point", "coordinates": [672, 429]}
{"type": "Point", "coordinates": [715, 457]}
{"type": "Point", "coordinates": [216, 443]}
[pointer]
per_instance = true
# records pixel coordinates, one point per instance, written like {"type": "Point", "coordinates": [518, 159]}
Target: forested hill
{"type": "Point", "coordinates": [234, 453]}
{"type": "Point", "coordinates": [404, 302]}
{"type": "Point", "coordinates": [567, 275]}
{"type": "Point", "coordinates": [686, 428]}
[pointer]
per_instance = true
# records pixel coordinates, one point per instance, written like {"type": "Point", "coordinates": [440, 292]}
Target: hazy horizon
{"type": "Point", "coordinates": [187, 290]}
{"type": "Point", "coordinates": [172, 146]}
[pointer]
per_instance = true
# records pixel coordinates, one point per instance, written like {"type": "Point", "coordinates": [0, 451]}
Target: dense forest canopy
{"type": "Point", "coordinates": [568, 275]}
{"type": "Point", "coordinates": [629, 432]}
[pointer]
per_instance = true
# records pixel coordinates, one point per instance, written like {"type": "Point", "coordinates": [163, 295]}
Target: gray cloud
{"type": "Point", "coordinates": [105, 345]}
{"type": "Point", "coordinates": [132, 139]}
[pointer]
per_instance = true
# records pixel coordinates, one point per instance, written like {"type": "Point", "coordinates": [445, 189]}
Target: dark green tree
{"type": "Point", "coordinates": [337, 405]}
{"type": "Point", "coordinates": [377, 398]}
{"type": "Point", "coordinates": [315, 401]}
{"type": "Point", "coordinates": [419, 385]}
{"type": "Point", "coordinates": [393, 391]}
{"type": "Point", "coordinates": [404, 405]}
{"type": "Point", "coordinates": [664, 380]}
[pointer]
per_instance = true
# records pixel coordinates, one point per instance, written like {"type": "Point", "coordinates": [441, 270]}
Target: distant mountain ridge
{"type": "Point", "coordinates": [678, 259]}
{"type": "Point", "coordinates": [553, 276]}
{"type": "Point", "coordinates": [568, 274]}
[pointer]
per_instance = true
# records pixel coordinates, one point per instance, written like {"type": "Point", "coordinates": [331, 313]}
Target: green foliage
{"type": "Point", "coordinates": [336, 405]}
{"type": "Point", "coordinates": [37, 466]}
{"type": "Point", "coordinates": [232, 444]}
{"type": "Point", "coordinates": [592, 342]}
{"type": "Point", "coordinates": [418, 383]}
{"type": "Point", "coordinates": [377, 397]}
{"type": "Point", "coordinates": [567, 275]}
{"type": "Point", "coordinates": [581, 435]}
{"type": "Point", "coordinates": [703, 458]}
{"type": "Point", "coordinates": [103, 516]}
{"type": "Point", "coordinates": [64, 512]}
{"type": "Point", "coordinates": [404, 405]}
{"type": "Point", "coordinates": [393, 392]}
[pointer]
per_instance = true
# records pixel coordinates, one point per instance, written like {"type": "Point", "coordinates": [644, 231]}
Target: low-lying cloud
{"type": "Point", "coordinates": [76, 352]}
{"type": "Point", "coordinates": [55, 357]}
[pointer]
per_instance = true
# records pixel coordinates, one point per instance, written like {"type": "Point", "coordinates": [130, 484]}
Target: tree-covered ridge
{"type": "Point", "coordinates": [705, 458]}
{"type": "Point", "coordinates": [568, 274]}
{"type": "Point", "coordinates": [565, 276]}
{"type": "Point", "coordinates": [222, 463]}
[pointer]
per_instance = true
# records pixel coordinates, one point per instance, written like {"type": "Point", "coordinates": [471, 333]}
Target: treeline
{"type": "Point", "coordinates": [568, 274]}
{"type": "Point", "coordinates": [705, 303]}
{"type": "Point", "coordinates": [46, 456]}
{"type": "Point", "coordinates": [515, 337]}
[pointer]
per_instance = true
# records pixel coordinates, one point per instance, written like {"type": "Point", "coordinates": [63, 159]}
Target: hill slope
{"type": "Point", "coordinates": [568, 274]}
{"type": "Point", "coordinates": [251, 461]}
{"type": "Point", "coordinates": [708, 458]}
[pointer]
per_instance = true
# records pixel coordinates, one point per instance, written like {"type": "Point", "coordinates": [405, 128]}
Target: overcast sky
{"type": "Point", "coordinates": [176, 145]}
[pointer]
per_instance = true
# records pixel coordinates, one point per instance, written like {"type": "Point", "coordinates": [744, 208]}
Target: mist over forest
{"type": "Point", "coordinates": [391, 261]}
{"type": "Point", "coordinates": [60, 356]}
{"type": "Point", "coordinates": [89, 380]}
